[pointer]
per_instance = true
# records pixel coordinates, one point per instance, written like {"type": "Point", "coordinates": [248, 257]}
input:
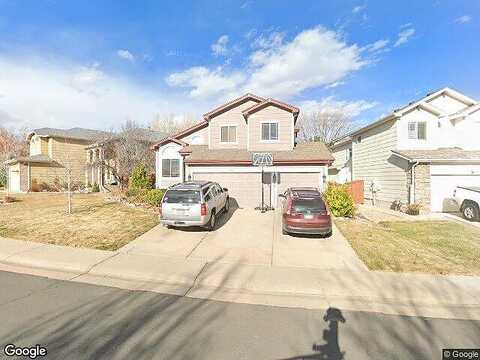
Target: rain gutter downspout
{"type": "Point", "coordinates": [412, 184]}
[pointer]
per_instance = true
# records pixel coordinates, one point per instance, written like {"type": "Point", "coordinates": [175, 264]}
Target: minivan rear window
{"type": "Point", "coordinates": [182, 196]}
{"type": "Point", "coordinates": [313, 205]}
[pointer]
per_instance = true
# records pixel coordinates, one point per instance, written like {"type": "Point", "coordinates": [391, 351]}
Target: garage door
{"type": "Point", "coordinates": [14, 179]}
{"type": "Point", "coordinates": [244, 188]}
{"type": "Point", "coordinates": [443, 181]}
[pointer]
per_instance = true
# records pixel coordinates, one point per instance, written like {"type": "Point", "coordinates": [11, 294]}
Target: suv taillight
{"type": "Point", "coordinates": [290, 210]}
{"type": "Point", "coordinates": [203, 209]}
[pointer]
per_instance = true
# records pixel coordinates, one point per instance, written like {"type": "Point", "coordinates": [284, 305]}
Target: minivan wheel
{"type": "Point", "coordinates": [212, 222]}
{"type": "Point", "coordinates": [470, 212]}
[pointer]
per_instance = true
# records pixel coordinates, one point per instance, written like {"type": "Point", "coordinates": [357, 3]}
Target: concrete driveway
{"type": "Point", "coordinates": [249, 237]}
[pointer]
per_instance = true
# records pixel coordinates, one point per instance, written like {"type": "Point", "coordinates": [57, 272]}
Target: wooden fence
{"type": "Point", "coordinates": [356, 189]}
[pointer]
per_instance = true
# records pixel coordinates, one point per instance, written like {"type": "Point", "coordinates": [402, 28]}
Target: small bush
{"type": "Point", "coordinates": [132, 192]}
{"type": "Point", "coordinates": [339, 200]}
{"type": "Point", "coordinates": [3, 175]}
{"type": "Point", "coordinates": [413, 209]}
{"type": "Point", "coordinates": [46, 187]}
{"type": "Point", "coordinates": [35, 187]}
{"type": "Point", "coordinates": [154, 197]}
{"type": "Point", "coordinates": [140, 179]}
{"type": "Point", "coordinates": [95, 188]}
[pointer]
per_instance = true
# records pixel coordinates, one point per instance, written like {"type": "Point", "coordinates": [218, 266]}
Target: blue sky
{"type": "Point", "coordinates": [95, 64]}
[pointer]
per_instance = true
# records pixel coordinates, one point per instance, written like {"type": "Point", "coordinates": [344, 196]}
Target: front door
{"type": "Point", "coordinates": [14, 180]}
{"type": "Point", "coordinates": [275, 180]}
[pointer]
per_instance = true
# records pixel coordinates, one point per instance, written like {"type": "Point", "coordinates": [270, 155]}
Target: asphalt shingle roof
{"type": "Point", "coordinates": [303, 152]}
{"type": "Point", "coordinates": [74, 133]}
{"type": "Point", "coordinates": [440, 154]}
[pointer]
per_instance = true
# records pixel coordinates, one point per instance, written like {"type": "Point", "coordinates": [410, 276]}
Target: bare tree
{"type": "Point", "coordinates": [173, 123]}
{"type": "Point", "coordinates": [324, 125]}
{"type": "Point", "coordinates": [122, 151]}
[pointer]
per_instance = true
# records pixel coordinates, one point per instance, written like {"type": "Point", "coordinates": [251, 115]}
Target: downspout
{"type": "Point", "coordinates": [412, 183]}
{"type": "Point", "coordinates": [29, 172]}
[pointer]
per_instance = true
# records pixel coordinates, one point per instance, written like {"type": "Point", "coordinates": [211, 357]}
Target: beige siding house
{"type": "Point", "coordinates": [417, 154]}
{"type": "Point", "coordinates": [54, 153]}
{"type": "Point", "coordinates": [236, 131]}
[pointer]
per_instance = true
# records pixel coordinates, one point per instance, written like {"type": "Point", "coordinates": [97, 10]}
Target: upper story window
{"type": "Point", "coordinates": [417, 130]}
{"type": "Point", "coordinates": [228, 134]}
{"type": "Point", "coordinates": [170, 167]}
{"type": "Point", "coordinates": [270, 131]}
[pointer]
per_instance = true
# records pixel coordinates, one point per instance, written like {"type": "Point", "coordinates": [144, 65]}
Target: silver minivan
{"type": "Point", "coordinates": [194, 203]}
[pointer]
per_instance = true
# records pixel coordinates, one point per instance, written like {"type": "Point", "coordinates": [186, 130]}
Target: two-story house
{"type": "Point", "coordinates": [417, 154]}
{"type": "Point", "coordinates": [221, 146]}
{"type": "Point", "coordinates": [53, 154]}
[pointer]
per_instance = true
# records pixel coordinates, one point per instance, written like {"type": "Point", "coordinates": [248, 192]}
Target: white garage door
{"type": "Point", "coordinates": [14, 179]}
{"type": "Point", "coordinates": [244, 188]}
{"type": "Point", "coordinates": [444, 179]}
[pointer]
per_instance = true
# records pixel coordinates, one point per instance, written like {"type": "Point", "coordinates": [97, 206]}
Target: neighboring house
{"type": "Point", "coordinates": [417, 154]}
{"type": "Point", "coordinates": [101, 160]}
{"type": "Point", "coordinates": [220, 149]}
{"type": "Point", "coordinates": [52, 154]}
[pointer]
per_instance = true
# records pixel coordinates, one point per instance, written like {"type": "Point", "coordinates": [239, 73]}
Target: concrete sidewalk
{"type": "Point", "coordinates": [390, 293]}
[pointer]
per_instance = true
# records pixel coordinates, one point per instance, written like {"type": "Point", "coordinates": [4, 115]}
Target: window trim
{"type": "Point", "coordinates": [269, 132]}
{"type": "Point", "coordinates": [236, 133]}
{"type": "Point", "coordinates": [170, 168]}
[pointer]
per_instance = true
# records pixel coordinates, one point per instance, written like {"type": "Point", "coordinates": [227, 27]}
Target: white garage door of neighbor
{"type": "Point", "coordinates": [244, 188]}
{"type": "Point", "coordinates": [14, 181]}
{"type": "Point", "coordinates": [443, 181]}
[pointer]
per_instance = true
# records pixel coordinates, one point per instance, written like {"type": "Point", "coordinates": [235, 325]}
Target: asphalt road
{"type": "Point", "coordinates": [79, 321]}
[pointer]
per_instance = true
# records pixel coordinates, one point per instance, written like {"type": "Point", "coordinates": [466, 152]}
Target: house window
{"type": "Point", "coordinates": [228, 134]}
{"type": "Point", "coordinates": [417, 130]}
{"type": "Point", "coordinates": [269, 131]}
{"type": "Point", "coordinates": [170, 167]}
{"type": "Point", "coordinates": [349, 154]}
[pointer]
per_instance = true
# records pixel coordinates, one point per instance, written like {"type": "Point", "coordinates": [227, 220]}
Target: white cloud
{"type": "Point", "coordinates": [273, 40]}
{"type": "Point", "coordinates": [359, 8]}
{"type": "Point", "coordinates": [376, 46]}
{"type": "Point", "coordinates": [315, 57]}
{"type": "Point", "coordinates": [406, 25]}
{"type": "Point", "coordinates": [404, 36]}
{"type": "Point", "coordinates": [125, 54]}
{"type": "Point", "coordinates": [219, 48]}
{"type": "Point", "coordinates": [463, 19]}
{"type": "Point", "coordinates": [205, 83]}
{"type": "Point", "coordinates": [37, 94]}
{"type": "Point", "coordinates": [330, 104]}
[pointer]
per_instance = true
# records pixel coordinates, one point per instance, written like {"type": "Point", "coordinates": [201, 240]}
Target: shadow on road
{"type": "Point", "coordinates": [330, 350]}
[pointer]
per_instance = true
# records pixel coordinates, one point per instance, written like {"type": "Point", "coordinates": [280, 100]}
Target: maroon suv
{"type": "Point", "coordinates": [305, 212]}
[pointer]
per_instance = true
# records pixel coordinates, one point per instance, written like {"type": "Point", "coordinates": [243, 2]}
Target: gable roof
{"type": "Point", "coordinates": [231, 104]}
{"type": "Point", "coordinates": [421, 103]}
{"type": "Point", "coordinates": [73, 133]}
{"type": "Point", "coordinates": [176, 137]}
{"type": "Point", "coordinates": [267, 102]}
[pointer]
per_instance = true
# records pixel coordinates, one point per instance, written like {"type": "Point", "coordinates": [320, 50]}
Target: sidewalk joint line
{"type": "Point", "coordinates": [98, 263]}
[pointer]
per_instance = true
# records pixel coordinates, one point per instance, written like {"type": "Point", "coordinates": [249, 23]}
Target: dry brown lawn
{"type": "Point", "coordinates": [94, 223]}
{"type": "Point", "coordinates": [439, 247]}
